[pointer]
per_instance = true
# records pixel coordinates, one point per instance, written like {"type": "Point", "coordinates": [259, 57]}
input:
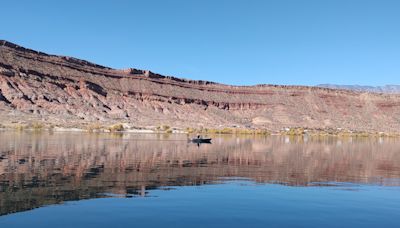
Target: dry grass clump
{"type": "Point", "coordinates": [262, 132]}
{"type": "Point", "coordinates": [329, 132]}
{"type": "Point", "coordinates": [190, 130]}
{"type": "Point", "coordinates": [37, 126]}
{"type": "Point", "coordinates": [237, 131]}
{"type": "Point", "coordinates": [294, 131]}
{"type": "Point", "coordinates": [94, 127]}
{"type": "Point", "coordinates": [164, 129]}
{"type": "Point", "coordinates": [116, 128]}
{"type": "Point", "coordinates": [19, 127]}
{"type": "Point", "coordinates": [169, 131]}
{"type": "Point", "coordinates": [362, 134]}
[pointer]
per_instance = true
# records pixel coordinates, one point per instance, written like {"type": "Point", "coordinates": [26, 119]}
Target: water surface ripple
{"type": "Point", "coordinates": [312, 174]}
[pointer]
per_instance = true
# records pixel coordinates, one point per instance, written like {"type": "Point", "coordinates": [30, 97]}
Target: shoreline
{"type": "Point", "coordinates": [121, 129]}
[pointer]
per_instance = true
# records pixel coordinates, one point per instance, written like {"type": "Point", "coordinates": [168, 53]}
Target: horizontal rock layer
{"type": "Point", "coordinates": [65, 90]}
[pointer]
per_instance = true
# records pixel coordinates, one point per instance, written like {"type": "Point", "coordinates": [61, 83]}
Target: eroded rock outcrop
{"type": "Point", "coordinates": [66, 90]}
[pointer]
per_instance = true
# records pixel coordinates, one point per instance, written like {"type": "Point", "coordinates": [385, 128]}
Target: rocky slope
{"type": "Point", "coordinates": [37, 87]}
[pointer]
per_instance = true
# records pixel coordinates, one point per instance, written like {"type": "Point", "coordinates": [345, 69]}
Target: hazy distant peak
{"type": "Point", "coordinates": [362, 88]}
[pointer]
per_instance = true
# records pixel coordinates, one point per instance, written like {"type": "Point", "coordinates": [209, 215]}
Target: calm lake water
{"type": "Point", "coordinates": [146, 180]}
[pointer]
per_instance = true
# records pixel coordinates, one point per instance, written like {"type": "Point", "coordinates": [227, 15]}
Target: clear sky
{"type": "Point", "coordinates": [241, 42]}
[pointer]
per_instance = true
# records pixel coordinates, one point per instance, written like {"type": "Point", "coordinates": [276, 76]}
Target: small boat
{"type": "Point", "coordinates": [201, 140]}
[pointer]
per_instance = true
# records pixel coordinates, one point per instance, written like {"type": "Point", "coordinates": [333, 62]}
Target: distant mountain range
{"type": "Point", "coordinates": [374, 89]}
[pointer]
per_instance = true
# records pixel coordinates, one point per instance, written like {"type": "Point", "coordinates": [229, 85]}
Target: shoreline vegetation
{"type": "Point", "coordinates": [166, 129]}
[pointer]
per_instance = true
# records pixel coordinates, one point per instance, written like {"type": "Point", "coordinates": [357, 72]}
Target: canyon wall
{"type": "Point", "coordinates": [38, 87]}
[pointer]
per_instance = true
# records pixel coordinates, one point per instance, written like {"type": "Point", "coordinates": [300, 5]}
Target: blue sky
{"type": "Point", "coordinates": [243, 42]}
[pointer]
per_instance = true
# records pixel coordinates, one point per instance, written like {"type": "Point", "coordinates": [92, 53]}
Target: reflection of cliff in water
{"type": "Point", "coordinates": [41, 169]}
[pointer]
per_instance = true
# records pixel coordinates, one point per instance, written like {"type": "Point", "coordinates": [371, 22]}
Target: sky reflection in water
{"type": "Point", "coordinates": [235, 181]}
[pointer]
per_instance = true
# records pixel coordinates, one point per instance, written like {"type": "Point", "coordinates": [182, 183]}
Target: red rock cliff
{"type": "Point", "coordinates": [64, 90]}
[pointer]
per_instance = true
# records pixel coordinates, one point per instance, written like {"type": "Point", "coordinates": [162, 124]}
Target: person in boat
{"type": "Point", "coordinates": [199, 139]}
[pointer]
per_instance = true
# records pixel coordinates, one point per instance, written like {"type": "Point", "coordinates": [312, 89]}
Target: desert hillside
{"type": "Point", "coordinates": [65, 91]}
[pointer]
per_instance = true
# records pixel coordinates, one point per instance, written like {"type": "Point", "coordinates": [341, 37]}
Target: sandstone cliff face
{"type": "Point", "coordinates": [35, 86]}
